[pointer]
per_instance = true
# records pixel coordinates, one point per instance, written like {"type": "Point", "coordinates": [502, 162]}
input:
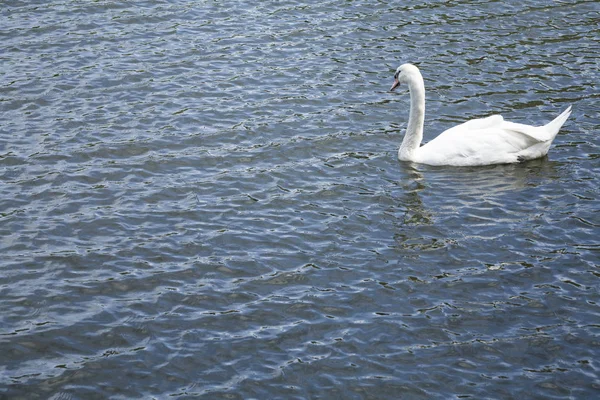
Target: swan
{"type": "Point", "coordinates": [484, 141]}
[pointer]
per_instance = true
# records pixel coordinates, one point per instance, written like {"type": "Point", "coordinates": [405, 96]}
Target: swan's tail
{"type": "Point", "coordinates": [554, 126]}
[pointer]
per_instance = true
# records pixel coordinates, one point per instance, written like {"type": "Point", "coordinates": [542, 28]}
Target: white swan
{"type": "Point", "coordinates": [485, 141]}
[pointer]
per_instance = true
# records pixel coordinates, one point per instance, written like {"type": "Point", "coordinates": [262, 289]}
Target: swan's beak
{"type": "Point", "coordinates": [394, 85]}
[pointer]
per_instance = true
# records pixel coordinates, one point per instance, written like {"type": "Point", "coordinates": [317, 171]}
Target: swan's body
{"type": "Point", "coordinates": [485, 141]}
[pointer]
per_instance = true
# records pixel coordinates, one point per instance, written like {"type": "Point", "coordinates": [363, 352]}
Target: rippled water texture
{"type": "Point", "coordinates": [203, 199]}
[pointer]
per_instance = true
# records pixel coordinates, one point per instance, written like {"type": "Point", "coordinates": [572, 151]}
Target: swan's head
{"type": "Point", "coordinates": [405, 74]}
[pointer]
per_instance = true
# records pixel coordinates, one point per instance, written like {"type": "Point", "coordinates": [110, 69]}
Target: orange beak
{"type": "Point", "coordinates": [394, 85]}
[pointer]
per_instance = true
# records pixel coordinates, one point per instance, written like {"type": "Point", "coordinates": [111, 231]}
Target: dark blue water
{"type": "Point", "coordinates": [204, 200]}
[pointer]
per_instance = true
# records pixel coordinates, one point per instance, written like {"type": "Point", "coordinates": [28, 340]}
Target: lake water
{"type": "Point", "coordinates": [203, 200]}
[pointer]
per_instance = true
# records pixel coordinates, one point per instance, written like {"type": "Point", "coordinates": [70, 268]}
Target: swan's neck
{"type": "Point", "coordinates": [414, 130]}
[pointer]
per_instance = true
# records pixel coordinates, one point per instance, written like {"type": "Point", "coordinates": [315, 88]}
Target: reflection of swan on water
{"type": "Point", "coordinates": [485, 141]}
{"type": "Point", "coordinates": [489, 182]}
{"type": "Point", "coordinates": [471, 204]}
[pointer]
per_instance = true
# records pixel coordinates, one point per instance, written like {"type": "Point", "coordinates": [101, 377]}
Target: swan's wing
{"type": "Point", "coordinates": [537, 133]}
{"type": "Point", "coordinates": [478, 123]}
{"type": "Point", "coordinates": [490, 145]}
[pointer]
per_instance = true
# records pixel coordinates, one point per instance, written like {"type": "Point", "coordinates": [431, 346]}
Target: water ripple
{"type": "Point", "coordinates": [204, 200]}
